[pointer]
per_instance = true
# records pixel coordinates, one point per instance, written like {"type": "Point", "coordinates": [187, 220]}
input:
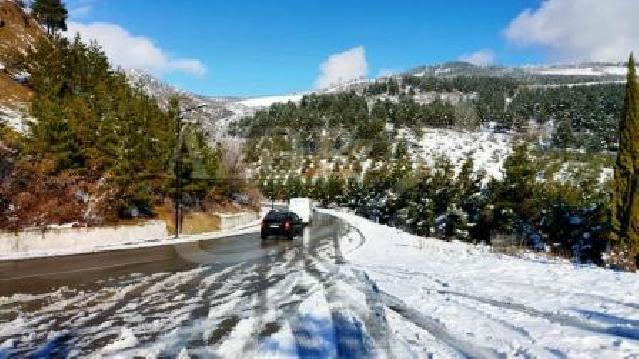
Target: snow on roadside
{"type": "Point", "coordinates": [469, 297]}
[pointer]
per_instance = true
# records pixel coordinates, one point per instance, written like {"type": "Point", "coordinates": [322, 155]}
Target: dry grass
{"type": "Point", "coordinates": [193, 222]}
{"type": "Point", "coordinates": [509, 250]}
{"type": "Point", "coordinates": [520, 250]}
{"type": "Point", "coordinates": [12, 92]}
{"type": "Point", "coordinates": [200, 222]}
{"type": "Point", "coordinates": [19, 33]}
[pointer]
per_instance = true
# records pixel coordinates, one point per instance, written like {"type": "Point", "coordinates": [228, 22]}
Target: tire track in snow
{"type": "Point", "coordinates": [523, 333]}
{"type": "Point", "coordinates": [630, 332]}
{"type": "Point", "coordinates": [627, 332]}
{"type": "Point", "coordinates": [437, 329]}
{"type": "Point", "coordinates": [427, 323]}
{"type": "Point", "coordinates": [346, 333]}
{"type": "Point", "coordinates": [322, 259]}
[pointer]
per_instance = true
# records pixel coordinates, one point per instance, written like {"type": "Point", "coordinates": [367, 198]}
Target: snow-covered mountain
{"type": "Point", "coordinates": [458, 68]}
{"type": "Point", "coordinates": [584, 69]}
{"type": "Point", "coordinates": [162, 91]}
{"type": "Point", "coordinates": [211, 113]}
{"type": "Point", "coordinates": [266, 101]}
{"type": "Point", "coordinates": [220, 111]}
{"type": "Point", "coordinates": [595, 71]}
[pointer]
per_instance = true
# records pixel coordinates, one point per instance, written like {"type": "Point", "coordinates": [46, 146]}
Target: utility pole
{"type": "Point", "coordinates": [178, 176]}
{"type": "Point", "coordinates": [178, 166]}
{"type": "Point", "coordinates": [272, 193]}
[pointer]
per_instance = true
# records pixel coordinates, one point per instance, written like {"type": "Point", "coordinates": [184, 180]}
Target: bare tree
{"type": "Point", "coordinates": [233, 163]}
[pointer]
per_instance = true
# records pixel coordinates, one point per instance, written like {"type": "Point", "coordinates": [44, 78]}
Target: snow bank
{"type": "Point", "coordinates": [471, 298]}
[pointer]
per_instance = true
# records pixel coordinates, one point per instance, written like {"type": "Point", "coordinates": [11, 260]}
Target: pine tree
{"type": "Point", "coordinates": [52, 14]}
{"type": "Point", "coordinates": [517, 196]}
{"type": "Point", "coordinates": [563, 136]}
{"type": "Point", "coordinates": [625, 207]}
{"type": "Point", "coordinates": [334, 188]}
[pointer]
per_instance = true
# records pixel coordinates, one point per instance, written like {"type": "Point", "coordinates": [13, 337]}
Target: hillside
{"type": "Point", "coordinates": [541, 101]}
{"type": "Point", "coordinates": [12, 92]}
{"type": "Point", "coordinates": [18, 32]}
{"type": "Point", "coordinates": [93, 133]}
{"type": "Point", "coordinates": [452, 142]}
{"type": "Point", "coordinates": [220, 113]}
{"type": "Point", "coordinates": [211, 113]}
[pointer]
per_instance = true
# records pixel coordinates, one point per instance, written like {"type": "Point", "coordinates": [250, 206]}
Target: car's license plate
{"type": "Point", "coordinates": [274, 226]}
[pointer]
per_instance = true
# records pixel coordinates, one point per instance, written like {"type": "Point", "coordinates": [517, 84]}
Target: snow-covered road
{"type": "Point", "coordinates": [349, 288]}
{"type": "Point", "coordinates": [228, 297]}
{"type": "Point", "coordinates": [452, 299]}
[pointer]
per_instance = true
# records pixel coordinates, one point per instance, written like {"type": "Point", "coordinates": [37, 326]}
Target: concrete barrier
{"type": "Point", "coordinates": [73, 240]}
{"type": "Point", "coordinates": [79, 239]}
{"type": "Point", "coordinates": [234, 220]}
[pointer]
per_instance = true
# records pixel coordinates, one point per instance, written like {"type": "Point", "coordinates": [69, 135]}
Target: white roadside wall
{"type": "Point", "coordinates": [79, 239]}
{"type": "Point", "coordinates": [234, 220]}
{"type": "Point", "coordinates": [64, 241]}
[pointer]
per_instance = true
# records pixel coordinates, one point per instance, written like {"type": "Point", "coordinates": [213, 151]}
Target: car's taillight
{"type": "Point", "coordinates": [287, 225]}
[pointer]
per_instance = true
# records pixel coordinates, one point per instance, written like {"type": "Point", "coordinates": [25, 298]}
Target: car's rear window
{"type": "Point", "coordinates": [275, 216]}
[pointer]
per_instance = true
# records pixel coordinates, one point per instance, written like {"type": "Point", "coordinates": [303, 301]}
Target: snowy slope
{"type": "Point", "coordinates": [589, 71]}
{"type": "Point", "coordinates": [445, 297]}
{"type": "Point", "coordinates": [258, 102]}
{"type": "Point", "coordinates": [15, 119]}
{"type": "Point", "coordinates": [487, 148]}
{"type": "Point", "coordinates": [211, 114]}
{"type": "Point", "coordinates": [586, 69]}
{"type": "Point", "coordinates": [266, 101]}
{"type": "Point", "coordinates": [593, 70]}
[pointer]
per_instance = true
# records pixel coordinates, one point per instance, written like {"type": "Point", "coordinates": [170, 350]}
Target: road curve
{"type": "Point", "coordinates": [218, 297]}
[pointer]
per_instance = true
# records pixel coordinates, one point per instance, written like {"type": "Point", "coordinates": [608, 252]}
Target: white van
{"type": "Point", "coordinates": [303, 207]}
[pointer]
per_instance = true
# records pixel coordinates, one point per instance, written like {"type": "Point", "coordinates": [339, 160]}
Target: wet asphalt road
{"type": "Point", "coordinates": [205, 297]}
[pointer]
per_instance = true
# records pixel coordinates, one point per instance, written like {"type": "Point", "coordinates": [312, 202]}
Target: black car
{"type": "Point", "coordinates": [281, 223]}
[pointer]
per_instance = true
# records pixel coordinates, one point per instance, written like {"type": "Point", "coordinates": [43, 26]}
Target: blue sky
{"type": "Point", "coordinates": [257, 47]}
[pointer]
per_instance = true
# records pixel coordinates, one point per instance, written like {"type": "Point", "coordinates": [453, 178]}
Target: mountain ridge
{"type": "Point", "coordinates": [462, 68]}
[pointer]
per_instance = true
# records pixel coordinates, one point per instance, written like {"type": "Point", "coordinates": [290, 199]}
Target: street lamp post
{"type": "Point", "coordinates": [272, 192]}
{"type": "Point", "coordinates": [178, 171]}
{"type": "Point", "coordinates": [178, 166]}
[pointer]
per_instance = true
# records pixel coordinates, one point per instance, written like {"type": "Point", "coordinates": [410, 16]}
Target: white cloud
{"type": "Point", "coordinates": [342, 67]}
{"type": "Point", "coordinates": [133, 52]}
{"type": "Point", "coordinates": [572, 30]}
{"type": "Point", "coordinates": [79, 8]}
{"type": "Point", "coordinates": [483, 57]}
